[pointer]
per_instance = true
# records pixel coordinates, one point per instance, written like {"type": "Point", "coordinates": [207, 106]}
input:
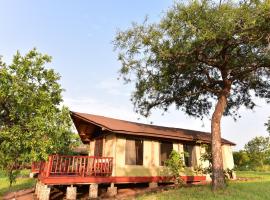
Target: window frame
{"type": "Point", "coordinates": [139, 151]}
{"type": "Point", "coordinates": [188, 160]}
{"type": "Point", "coordinates": [99, 147]}
{"type": "Point", "coordinates": [161, 161]}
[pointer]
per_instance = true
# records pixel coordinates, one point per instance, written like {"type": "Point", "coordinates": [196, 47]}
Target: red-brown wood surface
{"type": "Point", "coordinates": [35, 168]}
{"type": "Point", "coordinates": [82, 166]}
{"type": "Point", "coordinates": [66, 180]}
{"type": "Point", "coordinates": [61, 170]}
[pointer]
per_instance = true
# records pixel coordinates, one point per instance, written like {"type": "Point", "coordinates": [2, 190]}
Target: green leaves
{"type": "Point", "coordinates": [255, 156]}
{"type": "Point", "coordinates": [175, 165]}
{"type": "Point", "coordinates": [32, 122]}
{"type": "Point", "coordinates": [258, 150]}
{"type": "Point", "coordinates": [198, 51]}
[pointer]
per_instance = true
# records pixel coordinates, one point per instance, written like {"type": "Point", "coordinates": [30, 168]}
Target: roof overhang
{"type": "Point", "coordinates": [88, 129]}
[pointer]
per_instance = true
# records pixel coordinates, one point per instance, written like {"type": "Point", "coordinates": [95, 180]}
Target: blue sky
{"type": "Point", "coordinates": [78, 35]}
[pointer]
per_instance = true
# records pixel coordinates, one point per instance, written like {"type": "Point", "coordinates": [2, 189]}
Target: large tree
{"type": "Point", "coordinates": [32, 122]}
{"type": "Point", "coordinates": [200, 55]}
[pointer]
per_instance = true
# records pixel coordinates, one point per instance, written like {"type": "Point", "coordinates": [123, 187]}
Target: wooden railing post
{"type": "Point", "coordinates": [49, 165]}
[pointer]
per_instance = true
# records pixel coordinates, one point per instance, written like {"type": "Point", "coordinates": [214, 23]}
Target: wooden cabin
{"type": "Point", "coordinates": [126, 152]}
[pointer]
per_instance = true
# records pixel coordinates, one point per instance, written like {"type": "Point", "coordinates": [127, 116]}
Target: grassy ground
{"type": "Point", "coordinates": [255, 188]}
{"type": "Point", "coordinates": [22, 182]}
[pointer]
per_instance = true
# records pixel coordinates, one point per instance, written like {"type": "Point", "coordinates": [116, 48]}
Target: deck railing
{"type": "Point", "coordinates": [59, 165]}
{"type": "Point", "coordinates": [35, 168]}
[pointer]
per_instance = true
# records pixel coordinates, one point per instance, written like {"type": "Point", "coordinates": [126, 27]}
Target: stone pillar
{"type": "Point", "coordinates": [93, 190]}
{"type": "Point", "coordinates": [37, 188]}
{"type": "Point", "coordinates": [112, 191]}
{"type": "Point", "coordinates": [153, 185]}
{"type": "Point", "coordinates": [45, 193]}
{"type": "Point", "coordinates": [71, 193]}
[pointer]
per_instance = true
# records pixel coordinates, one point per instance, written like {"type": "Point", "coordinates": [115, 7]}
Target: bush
{"type": "Point", "coordinates": [175, 165]}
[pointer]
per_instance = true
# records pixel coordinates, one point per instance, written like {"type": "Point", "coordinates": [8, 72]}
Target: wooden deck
{"type": "Point", "coordinates": [61, 169]}
{"type": "Point", "coordinates": [67, 170]}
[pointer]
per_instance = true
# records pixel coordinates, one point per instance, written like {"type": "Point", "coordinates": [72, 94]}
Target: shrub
{"type": "Point", "coordinates": [175, 165]}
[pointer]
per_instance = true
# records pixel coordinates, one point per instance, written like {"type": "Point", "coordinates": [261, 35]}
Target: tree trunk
{"type": "Point", "coordinates": [218, 180]}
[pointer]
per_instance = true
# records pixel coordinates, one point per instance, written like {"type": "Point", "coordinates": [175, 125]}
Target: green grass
{"type": "Point", "coordinates": [255, 188]}
{"type": "Point", "coordinates": [23, 182]}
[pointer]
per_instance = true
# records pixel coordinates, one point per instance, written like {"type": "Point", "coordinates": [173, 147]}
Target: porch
{"type": "Point", "coordinates": [63, 169]}
{"type": "Point", "coordinates": [72, 170]}
{"type": "Point", "coordinates": [75, 171]}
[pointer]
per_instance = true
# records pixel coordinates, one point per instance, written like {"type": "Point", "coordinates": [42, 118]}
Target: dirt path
{"type": "Point", "coordinates": [122, 193]}
{"type": "Point", "coordinates": [27, 194]}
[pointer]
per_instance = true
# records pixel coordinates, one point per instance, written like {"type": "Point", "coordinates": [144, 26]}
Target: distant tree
{"type": "Point", "coordinates": [241, 160]}
{"type": "Point", "coordinates": [258, 151]}
{"type": "Point", "coordinates": [32, 122]}
{"type": "Point", "coordinates": [201, 55]}
{"type": "Point", "coordinates": [268, 126]}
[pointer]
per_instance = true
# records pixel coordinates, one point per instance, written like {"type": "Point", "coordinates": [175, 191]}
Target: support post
{"type": "Point", "coordinates": [49, 164]}
{"type": "Point", "coordinates": [153, 185]}
{"type": "Point", "coordinates": [112, 191]}
{"type": "Point", "coordinates": [71, 193]}
{"type": "Point", "coordinates": [37, 187]}
{"type": "Point", "coordinates": [93, 190]}
{"type": "Point", "coordinates": [38, 191]}
{"type": "Point", "coordinates": [45, 193]}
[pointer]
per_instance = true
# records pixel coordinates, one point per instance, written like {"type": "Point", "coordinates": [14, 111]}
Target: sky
{"type": "Point", "coordinates": [78, 35]}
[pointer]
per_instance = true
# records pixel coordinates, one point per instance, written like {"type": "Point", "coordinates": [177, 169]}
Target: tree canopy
{"type": "Point", "coordinates": [32, 122]}
{"type": "Point", "coordinates": [241, 160]}
{"type": "Point", "coordinates": [255, 155]}
{"type": "Point", "coordinates": [200, 55]}
{"type": "Point", "coordinates": [258, 151]}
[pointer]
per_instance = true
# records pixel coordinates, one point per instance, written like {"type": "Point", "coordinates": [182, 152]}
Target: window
{"type": "Point", "coordinates": [98, 147]}
{"type": "Point", "coordinates": [165, 151]}
{"type": "Point", "coordinates": [134, 152]}
{"type": "Point", "coordinates": [188, 155]}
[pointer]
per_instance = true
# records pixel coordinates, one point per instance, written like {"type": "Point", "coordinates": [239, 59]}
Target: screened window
{"type": "Point", "coordinates": [134, 152]}
{"type": "Point", "coordinates": [98, 147]}
{"type": "Point", "coordinates": [165, 151]}
{"type": "Point", "coordinates": [188, 154]}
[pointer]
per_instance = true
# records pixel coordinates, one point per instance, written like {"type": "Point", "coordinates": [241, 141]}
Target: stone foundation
{"type": "Point", "coordinates": [93, 190]}
{"type": "Point", "coordinates": [42, 191]}
{"type": "Point", "coordinates": [45, 193]}
{"type": "Point", "coordinates": [71, 193]}
{"type": "Point", "coordinates": [112, 191]}
{"type": "Point", "coordinates": [153, 185]}
{"type": "Point", "coordinates": [37, 188]}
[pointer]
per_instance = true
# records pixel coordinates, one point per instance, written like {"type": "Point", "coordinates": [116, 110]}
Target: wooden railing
{"type": "Point", "coordinates": [35, 168]}
{"type": "Point", "coordinates": [59, 165]}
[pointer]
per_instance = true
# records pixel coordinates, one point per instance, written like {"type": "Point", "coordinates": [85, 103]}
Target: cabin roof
{"type": "Point", "coordinates": [87, 124]}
